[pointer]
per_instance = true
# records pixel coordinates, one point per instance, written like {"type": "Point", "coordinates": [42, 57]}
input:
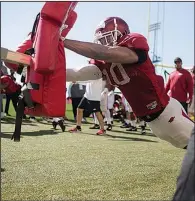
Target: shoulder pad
{"type": "Point", "coordinates": [134, 41]}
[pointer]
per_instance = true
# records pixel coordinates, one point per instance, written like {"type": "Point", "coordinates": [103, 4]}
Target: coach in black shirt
{"type": "Point", "coordinates": [76, 92]}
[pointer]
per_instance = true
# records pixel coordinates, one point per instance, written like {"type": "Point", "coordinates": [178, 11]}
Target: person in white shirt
{"type": "Point", "coordinates": [109, 114]}
{"type": "Point", "coordinates": [109, 106]}
{"type": "Point", "coordinates": [106, 105]}
{"type": "Point", "coordinates": [91, 102]}
{"type": "Point", "coordinates": [103, 107]}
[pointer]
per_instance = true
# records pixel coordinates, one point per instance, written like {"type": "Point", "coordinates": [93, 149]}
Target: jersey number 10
{"type": "Point", "coordinates": [114, 66]}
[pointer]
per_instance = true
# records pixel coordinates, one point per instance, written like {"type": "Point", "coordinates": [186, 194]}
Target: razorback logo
{"type": "Point", "coordinates": [171, 119]}
{"type": "Point", "coordinates": [152, 105]}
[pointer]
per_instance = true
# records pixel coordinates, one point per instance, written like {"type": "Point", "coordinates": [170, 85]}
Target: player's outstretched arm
{"type": "Point", "coordinates": [100, 52]}
{"type": "Point", "coordinates": [85, 73]}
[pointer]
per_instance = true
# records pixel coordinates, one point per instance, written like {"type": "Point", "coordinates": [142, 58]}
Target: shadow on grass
{"type": "Point", "coordinates": [119, 126]}
{"type": "Point", "coordinates": [69, 122]}
{"type": "Point", "coordinates": [129, 138]}
{"type": "Point", "coordinates": [31, 133]}
{"type": "Point", "coordinates": [44, 122]}
{"type": "Point", "coordinates": [115, 137]}
{"type": "Point", "coordinates": [74, 122]}
{"type": "Point", "coordinates": [11, 120]}
{"type": "Point", "coordinates": [134, 133]}
{"type": "Point", "coordinates": [2, 169]}
{"type": "Point", "coordinates": [55, 132]}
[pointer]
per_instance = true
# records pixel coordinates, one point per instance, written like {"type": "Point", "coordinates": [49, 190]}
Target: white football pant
{"type": "Point", "coordinates": [173, 125]}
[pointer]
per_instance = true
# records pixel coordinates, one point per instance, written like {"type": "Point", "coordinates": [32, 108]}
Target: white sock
{"type": "Point", "coordinates": [56, 119]}
{"type": "Point", "coordinates": [142, 123]}
{"type": "Point", "coordinates": [133, 123]}
{"type": "Point", "coordinates": [107, 115]}
{"type": "Point", "coordinates": [96, 120]}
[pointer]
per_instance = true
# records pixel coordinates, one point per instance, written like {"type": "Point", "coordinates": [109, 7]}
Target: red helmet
{"type": "Point", "coordinates": [110, 31]}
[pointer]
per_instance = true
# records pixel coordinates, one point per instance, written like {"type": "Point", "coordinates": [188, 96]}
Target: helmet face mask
{"type": "Point", "coordinates": [108, 32]}
{"type": "Point", "coordinates": [107, 38]}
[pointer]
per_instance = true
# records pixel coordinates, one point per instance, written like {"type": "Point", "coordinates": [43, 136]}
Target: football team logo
{"type": "Point", "coordinates": [152, 105]}
{"type": "Point", "coordinates": [171, 119]}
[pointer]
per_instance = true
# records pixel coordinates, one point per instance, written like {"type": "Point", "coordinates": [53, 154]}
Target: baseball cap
{"type": "Point", "coordinates": [177, 59]}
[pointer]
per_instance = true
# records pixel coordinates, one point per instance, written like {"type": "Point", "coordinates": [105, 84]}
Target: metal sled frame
{"type": "Point", "coordinates": [14, 57]}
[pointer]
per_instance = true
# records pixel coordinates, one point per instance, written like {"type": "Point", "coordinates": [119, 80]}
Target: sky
{"type": "Point", "coordinates": [175, 38]}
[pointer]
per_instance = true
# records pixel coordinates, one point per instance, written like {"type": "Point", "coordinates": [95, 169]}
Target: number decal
{"type": "Point", "coordinates": [124, 75]}
{"type": "Point", "coordinates": [107, 76]}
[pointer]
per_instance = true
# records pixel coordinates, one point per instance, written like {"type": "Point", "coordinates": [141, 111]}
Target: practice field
{"type": "Point", "coordinates": [51, 165]}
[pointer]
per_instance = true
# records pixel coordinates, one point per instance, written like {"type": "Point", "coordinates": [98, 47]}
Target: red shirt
{"type": "Point", "coordinates": [161, 83]}
{"type": "Point", "coordinates": [180, 84]}
{"type": "Point", "coordinates": [138, 82]}
{"type": "Point", "coordinates": [193, 79]}
{"type": "Point", "coordinates": [12, 86]}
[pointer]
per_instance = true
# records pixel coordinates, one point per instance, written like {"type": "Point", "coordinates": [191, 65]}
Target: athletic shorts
{"type": "Point", "coordinates": [89, 105]}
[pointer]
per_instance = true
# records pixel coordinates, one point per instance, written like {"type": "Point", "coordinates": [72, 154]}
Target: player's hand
{"type": "Point", "coordinates": [69, 23]}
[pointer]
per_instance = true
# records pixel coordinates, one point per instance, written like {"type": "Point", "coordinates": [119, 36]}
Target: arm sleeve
{"type": "Point", "coordinates": [85, 73]}
{"type": "Point", "coordinates": [142, 55]}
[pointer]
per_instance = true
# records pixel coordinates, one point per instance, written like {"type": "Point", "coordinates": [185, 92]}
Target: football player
{"type": "Point", "coordinates": [123, 58]}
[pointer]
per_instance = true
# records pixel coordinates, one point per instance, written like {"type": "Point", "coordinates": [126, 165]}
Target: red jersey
{"type": "Point", "coordinates": [193, 79]}
{"type": "Point", "coordinates": [138, 82]}
{"type": "Point", "coordinates": [180, 84]}
{"type": "Point", "coordinates": [161, 83]}
{"type": "Point", "coordinates": [12, 86]}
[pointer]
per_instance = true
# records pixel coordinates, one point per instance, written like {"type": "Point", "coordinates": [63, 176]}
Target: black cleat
{"type": "Point", "coordinates": [95, 126]}
{"type": "Point", "coordinates": [109, 128]}
{"type": "Point", "coordinates": [54, 124]}
{"type": "Point", "coordinates": [132, 129]}
{"type": "Point", "coordinates": [143, 130]}
{"type": "Point", "coordinates": [62, 126]}
{"type": "Point", "coordinates": [125, 126]}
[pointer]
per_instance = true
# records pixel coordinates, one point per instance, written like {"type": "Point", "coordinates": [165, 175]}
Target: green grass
{"type": "Point", "coordinates": [50, 165]}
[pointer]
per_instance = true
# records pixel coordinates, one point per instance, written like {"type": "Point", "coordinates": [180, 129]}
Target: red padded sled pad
{"type": "Point", "coordinates": [51, 97]}
{"type": "Point", "coordinates": [52, 16]}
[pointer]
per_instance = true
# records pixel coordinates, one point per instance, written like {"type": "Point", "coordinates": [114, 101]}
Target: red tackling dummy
{"type": "Point", "coordinates": [48, 67]}
{"type": "Point", "coordinates": [48, 34]}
